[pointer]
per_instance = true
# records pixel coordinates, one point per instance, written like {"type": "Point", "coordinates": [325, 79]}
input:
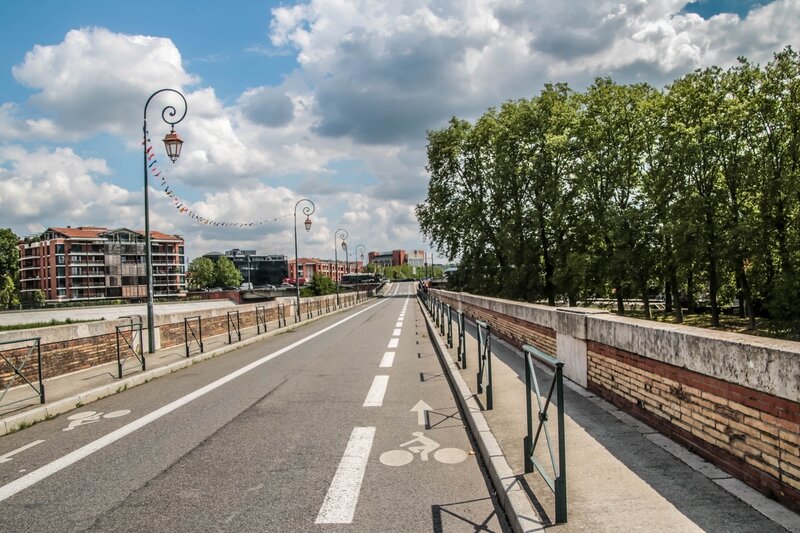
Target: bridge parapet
{"type": "Point", "coordinates": [732, 398]}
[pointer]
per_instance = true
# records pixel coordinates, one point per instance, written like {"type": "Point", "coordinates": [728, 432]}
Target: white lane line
{"type": "Point", "coordinates": [7, 457]}
{"type": "Point", "coordinates": [394, 342]}
{"type": "Point", "coordinates": [399, 324]}
{"type": "Point", "coordinates": [6, 491]}
{"type": "Point", "coordinates": [388, 360]}
{"type": "Point", "coordinates": [377, 391]}
{"type": "Point", "coordinates": [396, 332]}
{"type": "Point", "coordinates": [340, 502]}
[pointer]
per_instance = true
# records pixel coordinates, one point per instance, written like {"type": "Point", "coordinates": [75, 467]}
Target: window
{"type": "Point", "coordinates": [59, 248]}
{"type": "Point", "coordinates": [59, 259]}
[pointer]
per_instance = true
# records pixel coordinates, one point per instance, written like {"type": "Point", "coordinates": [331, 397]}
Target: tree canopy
{"type": "Point", "coordinates": [624, 191]}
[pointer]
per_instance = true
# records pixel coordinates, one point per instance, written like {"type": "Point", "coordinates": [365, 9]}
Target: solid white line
{"type": "Point", "coordinates": [377, 391]}
{"type": "Point", "coordinates": [397, 332]}
{"type": "Point", "coordinates": [6, 491]}
{"type": "Point", "coordinates": [388, 360]}
{"type": "Point", "coordinates": [394, 342]}
{"type": "Point", "coordinates": [340, 502]}
{"type": "Point", "coordinates": [7, 457]}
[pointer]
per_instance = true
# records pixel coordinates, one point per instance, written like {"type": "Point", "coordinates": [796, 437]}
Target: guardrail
{"type": "Point", "coordinates": [281, 315]}
{"type": "Point", "coordinates": [261, 318]}
{"type": "Point", "coordinates": [484, 337]}
{"type": "Point", "coordinates": [131, 336]}
{"type": "Point", "coordinates": [189, 329]}
{"type": "Point", "coordinates": [558, 482]}
{"type": "Point", "coordinates": [461, 351]}
{"type": "Point", "coordinates": [233, 325]}
{"type": "Point", "coordinates": [34, 348]}
{"type": "Point", "coordinates": [449, 326]}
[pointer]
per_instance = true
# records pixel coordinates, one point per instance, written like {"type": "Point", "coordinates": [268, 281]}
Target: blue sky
{"type": "Point", "coordinates": [324, 99]}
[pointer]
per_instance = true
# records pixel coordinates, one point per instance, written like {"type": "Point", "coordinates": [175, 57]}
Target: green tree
{"type": "Point", "coordinates": [201, 274]}
{"type": "Point", "coordinates": [226, 274]}
{"type": "Point", "coordinates": [33, 299]}
{"type": "Point", "coordinates": [8, 292]}
{"type": "Point", "coordinates": [9, 253]}
{"type": "Point", "coordinates": [320, 285]}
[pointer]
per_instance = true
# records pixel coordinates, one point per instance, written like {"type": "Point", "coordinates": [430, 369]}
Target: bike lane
{"type": "Point", "coordinates": [422, 473]}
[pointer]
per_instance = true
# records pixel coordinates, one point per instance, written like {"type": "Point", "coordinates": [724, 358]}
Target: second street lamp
{"type": "Point", "coordinates": [359, 263]}
{"type": "Point", "coordinates": [339, 234]}
{"type": "Point", "coordinates": [173, 144]}
{"type": "Point", "coordinates": [308, 210]}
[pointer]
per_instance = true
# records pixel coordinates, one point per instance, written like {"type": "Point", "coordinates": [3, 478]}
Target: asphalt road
{"type": "Point", "coordinates": [346, 424]}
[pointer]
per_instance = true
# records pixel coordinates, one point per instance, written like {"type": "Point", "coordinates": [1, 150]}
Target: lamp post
{"type": "Point", "coordinates": [339, 234]}
{"type": "Point", "coordinates": [173, 144]}
{"type": "Point", "coordinates": [359, 264]}
{"type": "Point", "coordinates": [308, 210]}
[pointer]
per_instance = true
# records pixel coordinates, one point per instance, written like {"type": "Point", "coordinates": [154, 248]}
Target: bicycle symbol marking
{"type": "Point", "coordinates": [423, 446]}
{"type": "Point", "coordinates": [90, 417]}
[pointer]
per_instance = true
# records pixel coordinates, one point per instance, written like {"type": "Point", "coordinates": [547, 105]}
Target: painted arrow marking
{"type": "Point", "coordinates": [7, 457]}
{"type": "Point", "coordinates": [421, 408]}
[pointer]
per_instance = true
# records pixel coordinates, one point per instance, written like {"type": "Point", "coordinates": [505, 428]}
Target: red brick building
{"type": "Point", "coordinates": [324, 267]}
{"type": "Point", "coordinates": [91, 262]}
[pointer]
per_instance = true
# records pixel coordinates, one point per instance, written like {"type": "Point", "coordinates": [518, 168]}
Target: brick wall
{"type": "Point", "coordinates": [731, 398]}
{"type": "Point", "coordinates": [76, 347]}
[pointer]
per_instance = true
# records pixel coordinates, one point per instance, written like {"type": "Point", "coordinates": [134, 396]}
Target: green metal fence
{"type": "Point", "coordinates": [558, 481]}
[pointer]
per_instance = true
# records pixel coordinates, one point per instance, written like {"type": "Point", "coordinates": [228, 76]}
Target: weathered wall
{"type": "Point", "coordinates": [731, 398]}
{"type": "Point", "coordinates": [74, 347]}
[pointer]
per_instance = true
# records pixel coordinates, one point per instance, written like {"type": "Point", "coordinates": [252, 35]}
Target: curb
{"type": "Point", "coordinates": [21, 421]}
{"type": "Point", "coordinates": [519, 510]}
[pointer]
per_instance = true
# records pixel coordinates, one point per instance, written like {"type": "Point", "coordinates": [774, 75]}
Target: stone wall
{"type": "Point", "coordinates": [731, 398]}
{"type": "Point", "coordinates": [74, 347]}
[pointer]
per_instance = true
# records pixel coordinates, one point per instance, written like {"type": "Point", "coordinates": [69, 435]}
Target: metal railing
{"type": "Point", "coordinates": [233, 325]}
{"type": "Point", "coordinates": [557, 483]}
{"type": "Point", "coordinates": [461, 350]}
{"type": "Point", "coordinates": [282, 315]}
{"type": "Point", "coordinates": [34, 349]}
{"type": "Point", "coordinates": [309, 311]}
{"type": "Point", "coordinates": [449, 326]}
{"type": "Point", "coordinates": [130, 335]}
{"type": "Point", "coordinates": [261, 318]}
{"type": "Point", "coordinates": [193, 326]}
{"type": "Point", "coordinates": [484, 337]}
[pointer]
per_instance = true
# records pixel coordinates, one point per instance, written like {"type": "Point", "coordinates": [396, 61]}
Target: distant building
{"type": "Point", "coordinates": [413, 258]}
{"type": "Point", "coordinates": [259, 270]}
{"type": "Point", "coordinates": [94, 263]}
{"type": "Point", "coordinates": [324, 267]}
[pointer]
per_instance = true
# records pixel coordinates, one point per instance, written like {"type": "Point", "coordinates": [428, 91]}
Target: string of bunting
{"type": "Point", "coordinates": [184, 209]}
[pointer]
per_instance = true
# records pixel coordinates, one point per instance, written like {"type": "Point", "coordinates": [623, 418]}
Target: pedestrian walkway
{"type": "Point", "coordinates": [20, 407]}
{"type": "Point", "coordinates": [621, 474]}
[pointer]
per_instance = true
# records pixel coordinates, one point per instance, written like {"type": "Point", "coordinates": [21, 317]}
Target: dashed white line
{"type": "Point", "coordinates": [399, 324]}
{"type": "Point", "coordinates": [394, 342]}
{"type": "Point", "coordinates": [397, 332]}
{"type": "Point", "coordinates": [388, 360]}
{"type": "Point", "coordinates": [377, 391]}
{"type": "Point", "coordinates": [340, 502]}
{"type": "Point", "coordinates": [10, 489]}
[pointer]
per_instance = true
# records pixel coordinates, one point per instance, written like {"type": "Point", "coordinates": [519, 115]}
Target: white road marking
{"type": "Point", "coordinates": [388, 360]}
{"type": "Point", "coordinates": [340, 502]}
{"type": "Point", "coordinates": [421, 407]}
{"type": "Point", "coordinates": [22, 483]}
{"type": "Point", "coordinates": [377, 391]}
{"type": "Point", "coordinates": [7, 457]}
{"type": "Point", "coordinates": [399, 324]}
{"type": "Point", "coordinates": [396, 332]}
{"type": "Point", "coordinates": [394, 343]}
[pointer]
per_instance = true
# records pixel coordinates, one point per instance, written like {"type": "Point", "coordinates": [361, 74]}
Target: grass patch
{"type": "Point", "coordinates": [54, 322]}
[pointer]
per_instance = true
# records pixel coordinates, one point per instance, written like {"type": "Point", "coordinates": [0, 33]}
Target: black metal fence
{"type": "Point", "coordinates": [233, 326]}
{"type": "Point", "coordinates": [130, 343]}
{"type": "Point", "coordinates": [193, 327]}
{"type": "Point", "coordinates": [33, 351]}
{"type": "Point", "coordinates": [484, 337]}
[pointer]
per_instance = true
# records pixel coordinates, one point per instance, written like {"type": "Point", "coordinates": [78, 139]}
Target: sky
{"type": "Point", "coordinates": [328, 100]}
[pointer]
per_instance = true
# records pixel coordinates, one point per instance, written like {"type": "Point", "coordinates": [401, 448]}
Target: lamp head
{"type": "Point", "coordinates": [308, 223]}
{"type": "Point", "coordinates": [173, 143]}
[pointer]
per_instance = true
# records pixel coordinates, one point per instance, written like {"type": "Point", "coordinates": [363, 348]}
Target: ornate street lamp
{"type": "Point", "coordinates": [308, 210]}
{"type": "Point", "coordinates": [359, 263]}
{"type": "Point", "coordinates": [339, 234]}
{"type": "Point", "coordinates": [172, 143]}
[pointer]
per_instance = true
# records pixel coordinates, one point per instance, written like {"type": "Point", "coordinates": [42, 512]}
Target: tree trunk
{"type": "Point", "coordinates": [691, 307]}
{"type": "Point", "coordinates": [620, 303]}
{"type": "Point", "coordinates": [668, 298]}
{"type": "Point", "coordinates": [713, 289]}
{"type": "Point", "coordinates": [676, 296]}
{"type": "Point", "coordinates": [646, 301]}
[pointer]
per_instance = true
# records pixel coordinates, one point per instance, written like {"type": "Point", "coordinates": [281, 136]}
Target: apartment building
{"type": "Point", "coordinates": [259, 270]}
{"type": "Point", "coordinates": [414, 258]}
{"type": "Point", "coordinates": [324, 267]}
{"type": "Point", "coordinates": [94, 263]}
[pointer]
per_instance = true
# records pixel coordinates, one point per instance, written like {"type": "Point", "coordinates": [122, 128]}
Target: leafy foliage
{"type": "Point", "coordinates": [201, 274]}
{"type": "Point", "coordinates": [226, 274]}
{"type": "Point", "coordinates": [624, 192]}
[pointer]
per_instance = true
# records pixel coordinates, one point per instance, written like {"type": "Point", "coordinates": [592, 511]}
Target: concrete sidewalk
{"type": "Point", "coordinates": [20, 407]}
{"type": "Point", "coordinates": [621, 474]}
